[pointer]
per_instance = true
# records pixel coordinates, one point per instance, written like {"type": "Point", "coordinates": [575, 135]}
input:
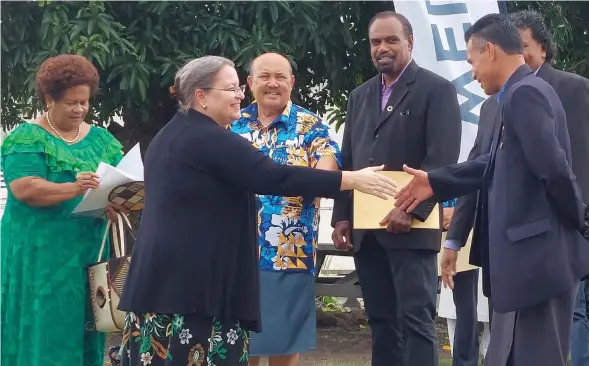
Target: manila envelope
{"type": "Point", "coordinates": [462, 262]}
{"type": "Point", "coordinates": [369, 210]}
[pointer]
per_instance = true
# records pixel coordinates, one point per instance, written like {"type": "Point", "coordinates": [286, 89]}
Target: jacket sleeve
{"type": "Point", "coordinates": [233, 159]}
{"type": "Point", "coordinates": [458, 180]}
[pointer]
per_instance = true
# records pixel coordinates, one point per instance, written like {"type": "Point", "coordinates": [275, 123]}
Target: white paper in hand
{"type": "Point", "coordinates": [129, 169]}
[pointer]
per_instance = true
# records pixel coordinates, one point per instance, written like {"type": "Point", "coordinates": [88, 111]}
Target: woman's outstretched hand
{"type": "Point", "coordinates": [369, 181]}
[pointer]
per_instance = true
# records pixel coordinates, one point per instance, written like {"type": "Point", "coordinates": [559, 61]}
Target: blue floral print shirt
{"type": "Point", "coordinates": [288, 226]}
{"type": "Point", "coordinates": [450, 203]}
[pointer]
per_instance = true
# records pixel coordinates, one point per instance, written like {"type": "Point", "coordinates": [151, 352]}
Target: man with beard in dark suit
{"type": "Point", "coordinates": [573, 91]}
{"type": "Point", "coordinates": [404, 115]}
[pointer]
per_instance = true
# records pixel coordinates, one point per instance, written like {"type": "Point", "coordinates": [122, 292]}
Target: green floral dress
{"type": "Point", "coordinates": [46, 316]}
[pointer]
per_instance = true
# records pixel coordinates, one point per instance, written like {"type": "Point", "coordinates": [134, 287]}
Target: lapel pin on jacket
{"type": "Point", "coordinates": [389, 108]}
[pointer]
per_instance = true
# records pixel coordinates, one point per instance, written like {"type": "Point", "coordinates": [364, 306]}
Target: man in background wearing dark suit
{"type": "Point", "coordinates": [530, 208]}
{"type": "Point", "coordinates": [465, 350]}
{"type": "Point", "coordinates": [404, 115]}
{"type": "Point", "coordinates": [573, 91]}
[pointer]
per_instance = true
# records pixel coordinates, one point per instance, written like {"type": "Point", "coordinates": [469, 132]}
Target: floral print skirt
{"type": "Point", "coordinates": [187, 340]}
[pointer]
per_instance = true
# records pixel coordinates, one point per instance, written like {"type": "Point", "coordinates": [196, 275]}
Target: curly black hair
{"type": "Point", "coordinates": [534, 21]}
{"type": "Point", "coordinates": [60, 73]}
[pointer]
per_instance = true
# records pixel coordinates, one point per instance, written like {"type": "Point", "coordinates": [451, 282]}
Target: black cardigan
{"type": "Point", "coordinates": [197, 249]}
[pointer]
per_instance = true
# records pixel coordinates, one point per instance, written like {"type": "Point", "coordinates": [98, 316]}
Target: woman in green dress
{"type": "Point", "coordinates": [48, 165]}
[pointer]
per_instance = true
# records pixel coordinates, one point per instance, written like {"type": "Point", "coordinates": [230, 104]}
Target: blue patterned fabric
{"type": "Point", "coordinates": [288, 226]}
{"type": "Point", "coordinates": [450, 203]}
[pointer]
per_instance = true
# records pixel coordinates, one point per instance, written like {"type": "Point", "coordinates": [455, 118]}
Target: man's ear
{"type": "Point", "coordinates": [250, 81]}
{"type": "Point", "coordinates": [410, 41]}
{"type": "Point", "coordinates": [491, 50]}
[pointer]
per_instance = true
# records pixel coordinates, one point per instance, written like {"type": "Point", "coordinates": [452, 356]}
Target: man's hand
{"type": "Point", "coordinates": [448, 267]}
{"type": "Point", "coordinates": [342, 235]}
{"type": "Point", "coordinates": [397, 221]}
{"type": "Point", "coordinates": [415, 192]}
{"type": "Point", "coordinates": [447, 213]}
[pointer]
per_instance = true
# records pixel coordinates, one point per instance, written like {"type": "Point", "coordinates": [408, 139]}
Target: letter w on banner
{"type": "Point", "coordinates": [438, 28]}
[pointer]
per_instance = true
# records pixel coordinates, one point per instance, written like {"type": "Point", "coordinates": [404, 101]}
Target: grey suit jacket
{"type": "Point", "coordinates": [573, 91]}
{"type": "Point", "coordinates": [531, 209]}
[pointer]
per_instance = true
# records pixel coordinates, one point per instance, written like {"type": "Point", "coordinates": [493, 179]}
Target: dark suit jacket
{"type": "Point", "coordinates": [531, 209]}
{"type": "Point", "coordinates": [573, 91]}
{"type": "Point", "coordinates": [197, 249]}
{"type": "Point", "coordinates": [421, 128]}
{"type": "Point", "coordinates": [465, 209]}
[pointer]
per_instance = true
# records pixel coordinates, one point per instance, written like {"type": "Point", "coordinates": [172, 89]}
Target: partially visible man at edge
{"type": "Point", "coordinates": [403, 114]}
{"type": "Point", "coordinates": [288, 226]}
{"type": "Point", "coordinates": [529, 205]}
{"type": "Point", "coordinates": [573, 91]}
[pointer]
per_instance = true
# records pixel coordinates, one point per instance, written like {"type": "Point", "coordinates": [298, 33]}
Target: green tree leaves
{"type": "Point", "coordinates": [138, 47]}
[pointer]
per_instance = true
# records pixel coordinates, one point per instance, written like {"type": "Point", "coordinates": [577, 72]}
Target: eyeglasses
{"type": "Point", "coordinates": [236, 90]}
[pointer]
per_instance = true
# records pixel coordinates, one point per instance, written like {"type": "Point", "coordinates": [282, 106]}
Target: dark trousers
{"type": "Point", "coordinates": [535, 335]}
{"type": "Point", "coordinates": [465, 350]}
{"type": "Point", "coordinates": [399, 288]}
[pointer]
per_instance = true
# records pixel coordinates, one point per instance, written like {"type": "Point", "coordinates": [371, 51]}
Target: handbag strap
{"type": "Point", "coordinates": [115, 238]}
{"type": "Point", "coordinates": [126, 219]}
{"type": "Point", "coordinates": [105, 236]}
{"type": "Point", "coordinates": [118, 234]}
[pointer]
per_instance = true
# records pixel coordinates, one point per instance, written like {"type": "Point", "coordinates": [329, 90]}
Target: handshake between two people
{"type": "Point", "coordinates": [399, 219]}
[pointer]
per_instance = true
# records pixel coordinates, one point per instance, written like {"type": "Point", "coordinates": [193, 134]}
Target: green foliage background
{"type": "Point", "coordinates": [138, 46]}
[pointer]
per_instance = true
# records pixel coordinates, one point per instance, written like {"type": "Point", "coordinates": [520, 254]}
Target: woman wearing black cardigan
{"type": "Point", "coordinates": [192, 294]}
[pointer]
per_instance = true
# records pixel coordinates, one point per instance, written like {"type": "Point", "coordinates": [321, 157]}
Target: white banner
{"type": "Point", "coordinates": [438, 29]}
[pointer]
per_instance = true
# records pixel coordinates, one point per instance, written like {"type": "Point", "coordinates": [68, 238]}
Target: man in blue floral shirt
{"type": "Point", "coordinates": [288, 226]}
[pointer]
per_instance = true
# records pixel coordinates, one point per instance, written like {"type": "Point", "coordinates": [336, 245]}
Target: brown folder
{"type": "Point", "coordinates": [369, 210]}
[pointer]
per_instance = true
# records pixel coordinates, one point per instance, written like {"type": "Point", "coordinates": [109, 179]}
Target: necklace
{"type": "Point", "coordinates": [59, 134]}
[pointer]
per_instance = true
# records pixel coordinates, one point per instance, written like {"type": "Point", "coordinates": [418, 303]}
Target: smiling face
{"type": "Point", "coordinates": [223, 99]}
{"type": "Point", "coordinates": [390, 47]}
{"type": "Point", "coordinates": [271, 81]}
{"type": "Point", "coordinates": [482, 56]}
{"type": "Point", "coordinates": [69, 111]}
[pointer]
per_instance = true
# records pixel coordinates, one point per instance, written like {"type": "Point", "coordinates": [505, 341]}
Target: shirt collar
{"type": "Point", "coordinates": [516, 76]}
{"type": "Point", "coordinates": [538, 69]}
{"type": "Point", "coordinates": [382, 83]}
{"type": "Point", "coordinates": [251, 113]}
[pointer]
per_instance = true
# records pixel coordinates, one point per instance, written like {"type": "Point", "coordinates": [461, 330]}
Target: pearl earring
{"type": "Point", "coordinates": [204, 106]}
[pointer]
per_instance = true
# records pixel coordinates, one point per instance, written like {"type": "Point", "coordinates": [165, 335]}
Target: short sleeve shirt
{"type": "Point", "coordinates": [288, 226]}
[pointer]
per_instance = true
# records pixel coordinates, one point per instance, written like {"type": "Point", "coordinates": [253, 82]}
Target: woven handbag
{"type": "Point", "coordinates": [107, 278]}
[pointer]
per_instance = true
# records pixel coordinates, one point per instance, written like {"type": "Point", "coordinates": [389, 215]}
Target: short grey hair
{"type": "Point", "coordinates": [197, 74]}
